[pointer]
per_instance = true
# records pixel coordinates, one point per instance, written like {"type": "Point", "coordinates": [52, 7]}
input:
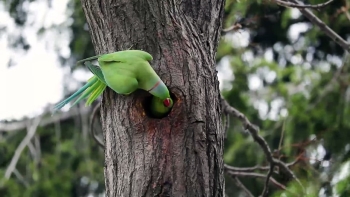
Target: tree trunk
{"type": "Point", "coordinates": [180, 154]}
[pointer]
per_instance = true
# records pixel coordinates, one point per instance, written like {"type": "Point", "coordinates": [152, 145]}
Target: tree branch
{"type": "Point", "coordinates": [296, 5]}
{"type": "Point", "coordinates": [234, 27]}
{"type": "Point", "coordinates": [15, 126]}
{"type": "Point", "coordinates": [254, 131]}
{"type": "Point", "coordinates": [30, 133]}
{"type": "Point", "coordinates": [328, 31]}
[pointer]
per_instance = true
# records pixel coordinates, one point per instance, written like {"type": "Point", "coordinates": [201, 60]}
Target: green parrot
{"type": "Point", "coordinates": [124, 72]}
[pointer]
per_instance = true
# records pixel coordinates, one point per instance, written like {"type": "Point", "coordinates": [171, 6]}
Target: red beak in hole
{"type": "Point", "coordinates": [167, 102]}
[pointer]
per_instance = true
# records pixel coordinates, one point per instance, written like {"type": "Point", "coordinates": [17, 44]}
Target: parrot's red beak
{"type": "Point", "coordinates": [167, 102]}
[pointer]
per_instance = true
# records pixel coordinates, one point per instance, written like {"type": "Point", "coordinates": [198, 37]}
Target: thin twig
{"type": "Point", "coordinates": [37, 148]}
{"type": "Point", "coordinates": [247, 169]}
{"type": "Point", "coordinates": [33, 151]}
{"type": "Point", "coordinates": [294, 5]}
{"type": "Point", "coordinates": [346, 12]}
{"type": "Point", "coordinates": [57, 126]}
{"type": "Point", "coordinates": [234, 27]}
{"type": "Point", "coordinates": [30, 133]}
{"type": "Point", "coordinates": [328, 31]}
{"type": "Point", "coordinates": [92, 118]}
{"type": "Point", "coordinates": [282, 137]}
{"type": "Point", "coordinates": [267, 181]}
{"type": "Point", "coordinates": [257, 175]}
{"type": "Point", "coordinates": [20, 177]}
{"type": "Point", "coordinates": [227, 124]}
{"type": "Point", "coordinates": [333, 82]}
{"type": "Point", "coordinates": [257, 168]}
{"type": "Point", "coordinates": [240, 185]}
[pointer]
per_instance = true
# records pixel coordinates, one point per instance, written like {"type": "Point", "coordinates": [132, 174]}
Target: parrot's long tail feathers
{"type": "Point", "coordinates": [96, 93]}
{"type": "Point", "coordinates": [89, 92]}
{"type": "Point", "coordinates": [61, 104]}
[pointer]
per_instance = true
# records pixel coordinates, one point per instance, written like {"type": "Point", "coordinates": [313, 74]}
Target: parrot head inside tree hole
{"type": "Point", "coordinates": [124, 72]}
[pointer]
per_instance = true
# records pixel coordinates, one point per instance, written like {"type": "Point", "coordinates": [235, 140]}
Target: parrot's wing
{"type": "Point", "coordinates": [94, 91]}
{"type": "Point", "coordinates": [88, 59]}
{"type": "Point", "coordinates": [96, 70]}
{"type": "Point", "coordinates": [127, 55]}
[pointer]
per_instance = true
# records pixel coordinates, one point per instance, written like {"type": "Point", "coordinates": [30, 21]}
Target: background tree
{"type": "Point", "coordinates": [287, 78]}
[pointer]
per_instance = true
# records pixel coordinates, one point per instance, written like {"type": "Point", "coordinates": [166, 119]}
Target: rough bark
{"type": "Point", "coordinates": [181, 154]}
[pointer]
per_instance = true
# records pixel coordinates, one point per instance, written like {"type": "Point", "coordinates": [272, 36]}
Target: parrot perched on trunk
{"type": "Point", "coordinates": [124, 72]}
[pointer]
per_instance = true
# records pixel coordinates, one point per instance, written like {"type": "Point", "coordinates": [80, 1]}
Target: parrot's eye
{"type": "Point", "coordinates": [167, 102]}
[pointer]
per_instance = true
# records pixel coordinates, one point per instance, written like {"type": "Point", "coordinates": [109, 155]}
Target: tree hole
{"type": "Point", "coordinates": [146, 103]}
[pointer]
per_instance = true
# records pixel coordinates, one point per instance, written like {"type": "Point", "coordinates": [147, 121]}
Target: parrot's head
{"type": "Point", "coordinates": [168, 103]}
{"type": "Point", "coordinates": [160, 107]}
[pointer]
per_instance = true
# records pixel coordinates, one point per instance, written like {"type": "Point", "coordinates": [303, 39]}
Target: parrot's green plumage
{"type": "Point", "coordinates": [124, 72]}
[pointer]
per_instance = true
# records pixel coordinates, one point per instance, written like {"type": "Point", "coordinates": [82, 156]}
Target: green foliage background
{"type": "Point", "coordinates": [303, 93]}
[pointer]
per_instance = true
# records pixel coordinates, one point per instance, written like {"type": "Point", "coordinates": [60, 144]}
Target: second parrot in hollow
{"type": "Point", "coordinates": [124, 72]}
